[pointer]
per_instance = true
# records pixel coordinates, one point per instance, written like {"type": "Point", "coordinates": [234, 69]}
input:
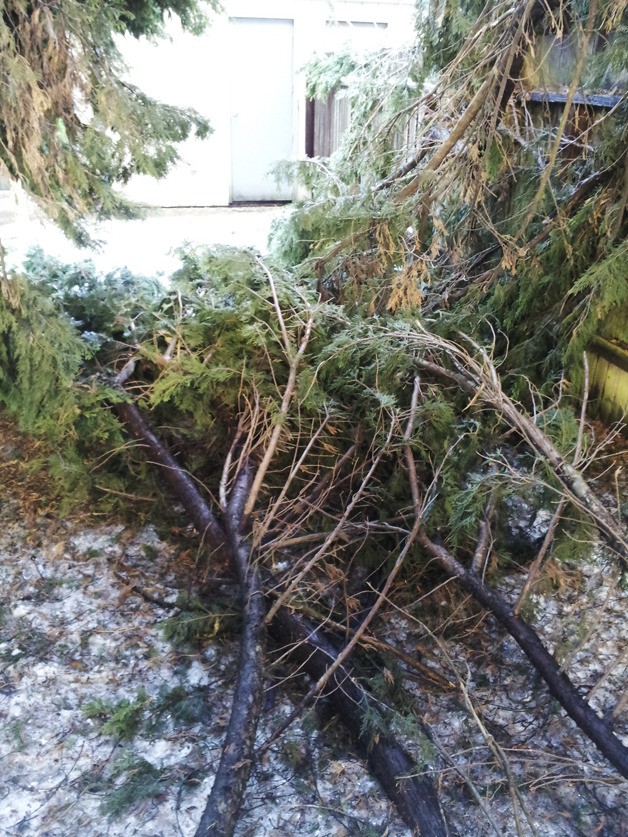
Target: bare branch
{"type": "Point", "coordinates": [559, 684]}
{"type": "Point", "coordinates": [481, 380]}
{"type": "Point", "coordinates": [283, 413]}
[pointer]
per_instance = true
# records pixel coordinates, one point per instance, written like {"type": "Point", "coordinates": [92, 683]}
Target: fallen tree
{"type": "Point", "coordinates": [347, 431]}
{"type": "Point", "coordinates": [318, 656]}
{"type": "Point", "coordinates": [301, 415]}
{"type": "Point", "coordinates": [414, 796]}
{"type": "Point", "coordinates": [560, 686]}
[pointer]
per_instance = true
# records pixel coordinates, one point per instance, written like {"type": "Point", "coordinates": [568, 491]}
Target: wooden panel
{"type": "Point", "coordinates": [331, 120]}
{"type": "Point", "coordinates": [593, 100]}
{"type": "Point", "coordinates": [608, 389]}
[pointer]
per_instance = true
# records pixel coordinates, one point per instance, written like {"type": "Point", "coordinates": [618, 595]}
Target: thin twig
{"type": "Point", "coordinates": [294, 471]}
{"type": "Point", "coordinates": [346, 652]}
{"type": "Point", "coordinates": [331, 537]}
{"type": "Point", "coordinates": [496, 749]}
{"type": "Point", "coordinates": [283, 413]}
{"type": "Point", "coordinates": [583, 410]}
{"type": "Point", "coordinates": [149, 597]}
{"type": "Point", "coordinates": [282, 324]}
{"type": "Point", "coordinates": [485, 539]}
{"type": "Point", "coordinates": [535, 566]}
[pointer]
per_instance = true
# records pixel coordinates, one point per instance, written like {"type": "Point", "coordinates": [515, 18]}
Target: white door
{"type": "Point", "coordinates": [262, 107]}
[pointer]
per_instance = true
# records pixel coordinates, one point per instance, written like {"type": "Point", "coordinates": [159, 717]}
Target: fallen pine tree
{"type": "Point", "coordinates": [331, 446]}
{"type": "Point", "coordinates": [389, 761]}
{"type": "Point", "coordinates": [356, 424]}
{"type": "Point", "coordinates": [414, 796]}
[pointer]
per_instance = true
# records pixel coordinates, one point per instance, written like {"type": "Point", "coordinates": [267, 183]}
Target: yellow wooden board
{"type": "Point", "coordinates": [608, 389]}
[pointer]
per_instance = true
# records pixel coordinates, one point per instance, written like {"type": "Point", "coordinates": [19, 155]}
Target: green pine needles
{"type": "Point", "coordinates": [214, 353]}
{"type": "Point", "coordinates": [72, 128]}
{"type": "Point", "coordinates": [40, 357]}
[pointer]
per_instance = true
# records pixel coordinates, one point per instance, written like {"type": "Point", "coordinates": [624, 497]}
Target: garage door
{"type": "Point", "coordinates": [262, 107]}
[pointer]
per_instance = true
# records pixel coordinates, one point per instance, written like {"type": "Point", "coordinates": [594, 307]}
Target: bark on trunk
{"type": "Point", "coordinates": [413, 794]}
{"type": "Point", "coordinates": [225, 800]}
{"type": "Point", "coordinates": [224, 804]}
{"type": "Point", "coordinates": [223, 807]}
{"type": "Point", "coordinates": [559, 684]}
{"type": "Point", "coordinates": [179, 481]}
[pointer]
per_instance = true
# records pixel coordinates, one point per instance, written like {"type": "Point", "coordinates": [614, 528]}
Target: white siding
{"type": "Point", "coordinates": [204, 72]}
{"type": "Point", "coordinates": [262, 107]}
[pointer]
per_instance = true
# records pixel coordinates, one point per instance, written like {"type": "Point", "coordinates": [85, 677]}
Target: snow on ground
{"type": "Point", "coordinates": [106, 728]}
{"type": "Point", "coordinates": [74, 645]}
{"type": "Point", "coordinates": [146, 246]}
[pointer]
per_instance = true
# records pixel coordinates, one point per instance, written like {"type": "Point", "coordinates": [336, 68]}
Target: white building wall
{"type": "Point", "coordinates": [187, 71]}
{"type": "Point", "coordinates": [194, 71]}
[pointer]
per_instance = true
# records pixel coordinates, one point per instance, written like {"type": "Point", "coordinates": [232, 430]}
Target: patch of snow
{"type": "Point", "coordinates": [196, 674]}
{"type": "Point", "coordinates": [73, 638]}
{"type": "Point", "coordinates": [147, 247]}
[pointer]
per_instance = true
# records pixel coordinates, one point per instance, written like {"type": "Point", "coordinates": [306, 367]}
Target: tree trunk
{"type": "Point", "coordinates": [560, 686]}
{"type": "Point", "coordinates": [405, 783]}
{"type": "Point", "coordinates": [225, 800]}
{"type": "Point", "coordinates": [414, 795]}
{"type": "Point", "coordinates": [178, 480]}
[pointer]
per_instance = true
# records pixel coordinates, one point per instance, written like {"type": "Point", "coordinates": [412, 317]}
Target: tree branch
{"type": "Point", "coordinates": [559, 684]}
{"type": "Point", "coordinates": [225, 800]}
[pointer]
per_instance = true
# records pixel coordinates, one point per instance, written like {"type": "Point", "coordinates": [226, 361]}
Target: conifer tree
{"type": "Point", "coordinates": [72, 128]}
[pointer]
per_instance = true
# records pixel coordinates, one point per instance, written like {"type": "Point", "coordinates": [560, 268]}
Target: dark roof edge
{"type": "Point", "coordinates": [593, 100]}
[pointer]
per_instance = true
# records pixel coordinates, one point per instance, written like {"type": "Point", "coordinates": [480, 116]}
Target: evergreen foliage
{"type": "Point", "coordinates": [133, 779]}
{"type": "Point", "coordinates": [35, 382]}
{"type": "Point", "coordinates": [215, 349]}
{"type": "Point", "coordinates": [121, 719]}
{"type": "Point", "coordinates": [478, 246]}
{"type": "Point", "coordinates": [342, 370]}
{"type": "Point", "coordinates": [211, 359]}
{"type": "Point", "coordinates": [196, 624]}
{"type": "Point", "coordinates": [146, 17]}
{"type": "Point", "coordinates": [72, 128]}
{"type": "Point", "coordinates": [444, 26]}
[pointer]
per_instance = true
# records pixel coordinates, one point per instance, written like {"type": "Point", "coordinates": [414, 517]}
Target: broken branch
{"type": "Point", "coordinates": [559, 684]}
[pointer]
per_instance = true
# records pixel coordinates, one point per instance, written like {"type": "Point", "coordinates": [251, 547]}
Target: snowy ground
{"type": "Point", "coordinates": [147, 247]}
{"type": "Point", "coordinates": [110, 726]}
